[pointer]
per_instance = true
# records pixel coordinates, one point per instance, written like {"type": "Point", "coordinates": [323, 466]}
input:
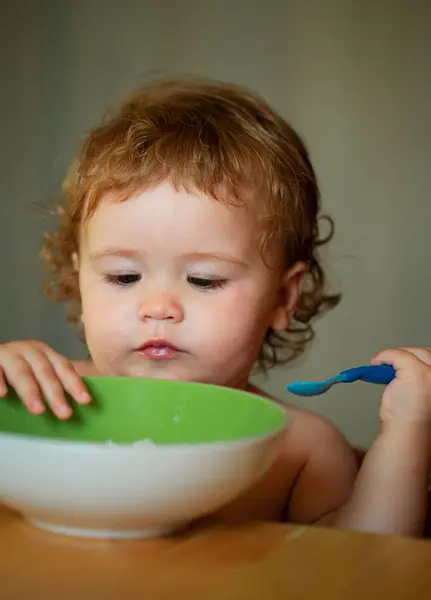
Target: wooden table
{"type": "Point", "coordinates": [253, 562]}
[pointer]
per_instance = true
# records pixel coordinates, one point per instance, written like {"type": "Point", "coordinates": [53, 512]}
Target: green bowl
{"type": "Point", "coordinates": [144, 458]}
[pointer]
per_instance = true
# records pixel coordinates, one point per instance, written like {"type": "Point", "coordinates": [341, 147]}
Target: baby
{"type": "Point", "coordinates": [188, 250]}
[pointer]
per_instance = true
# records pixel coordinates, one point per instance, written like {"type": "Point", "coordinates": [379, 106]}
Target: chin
{"type": "Point", "coordinates": [148, 372]}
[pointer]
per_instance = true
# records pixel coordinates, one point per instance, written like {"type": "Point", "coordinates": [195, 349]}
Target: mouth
{"type": "Point", "coordinates": [159, 349]}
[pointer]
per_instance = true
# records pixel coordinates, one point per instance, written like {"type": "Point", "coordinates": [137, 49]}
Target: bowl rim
{"type": "Point", "coordinates": [79, 446]}
{"type": "Point", "coordinates": [138, 444]}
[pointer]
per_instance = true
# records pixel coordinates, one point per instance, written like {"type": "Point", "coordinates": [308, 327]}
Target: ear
{"type": "Point", "coordinates": [75, 261]}
{"type": "Point", "coordinates": [288, 296]}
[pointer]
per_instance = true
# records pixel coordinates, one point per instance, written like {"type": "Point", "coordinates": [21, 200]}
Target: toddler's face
{"type": "Point", "coordinates": [173, 286]}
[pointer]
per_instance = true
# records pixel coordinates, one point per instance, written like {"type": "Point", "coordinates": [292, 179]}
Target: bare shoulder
{"type": "Point", "coordinates": [307, 428]}
{"type": "Point", "coordinates": [328, 465]}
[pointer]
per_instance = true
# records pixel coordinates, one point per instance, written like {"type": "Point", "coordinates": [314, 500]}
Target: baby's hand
{"type": "Point", "coordinates": [37, 372]}
{"type": "Point", "coordinates": [408, 397]}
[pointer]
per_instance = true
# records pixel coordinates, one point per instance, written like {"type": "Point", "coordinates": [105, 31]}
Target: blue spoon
{"type": "Point", "coordinates": [383, 374]}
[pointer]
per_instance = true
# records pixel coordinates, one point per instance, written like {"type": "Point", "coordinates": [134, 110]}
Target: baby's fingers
{"type": "Point", "coordinates": [409, 363]}
{"type": "Point", "coordinates": [3, 384]}
{"type": "Point", "coordinates": [422, 353]}
{"type": "Point", "coordinates": [20, 376]}
{"type": "Point", "coordinates": [49, 383]}
{"type": "Point", "coordinates": [69, 377]}
{"type": "Point", "coordinates": [391, 356]}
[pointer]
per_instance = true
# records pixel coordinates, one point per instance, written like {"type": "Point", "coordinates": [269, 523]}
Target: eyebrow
{"type": "Point", "coordinates": [216, 256]}
{"type": "Point", "coordinates": [122, 252]}
{"type": "Point", "coordinates": [192, 256]}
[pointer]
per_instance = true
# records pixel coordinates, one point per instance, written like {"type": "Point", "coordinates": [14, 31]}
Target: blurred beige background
{"type": "Point", "coordinates": [353, 77]}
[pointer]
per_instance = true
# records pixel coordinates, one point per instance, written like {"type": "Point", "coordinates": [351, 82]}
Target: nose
{"type": "Point", "coordinates": [161, 306]}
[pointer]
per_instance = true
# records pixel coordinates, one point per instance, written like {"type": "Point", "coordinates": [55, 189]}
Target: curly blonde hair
{"type": "Point", "coordinates": [223, 141]}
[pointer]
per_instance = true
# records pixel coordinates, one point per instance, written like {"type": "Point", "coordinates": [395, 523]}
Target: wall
{"type": "Point", "coordinates": [352, 77]}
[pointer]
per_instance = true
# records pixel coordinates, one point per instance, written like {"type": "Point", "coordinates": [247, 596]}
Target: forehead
{"type": "Point", "coordinates": [163, 215]}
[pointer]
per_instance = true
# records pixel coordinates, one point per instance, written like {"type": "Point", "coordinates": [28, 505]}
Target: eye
{"type": "Point", "coordinates": [205, 283]}
{"type": "Point", "coordinates": [122, 279]}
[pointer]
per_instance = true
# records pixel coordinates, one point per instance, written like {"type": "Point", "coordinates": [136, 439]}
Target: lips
{"type": "Point", "coordinates": [159, 349]}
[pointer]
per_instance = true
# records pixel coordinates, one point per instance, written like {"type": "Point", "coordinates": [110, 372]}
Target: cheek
{"type": "Point", "coordinates": [93, 310]}
{"type": "Point", "coordinates": [103, 311]}
{"type": "Point", "coordinates": [237, 317]}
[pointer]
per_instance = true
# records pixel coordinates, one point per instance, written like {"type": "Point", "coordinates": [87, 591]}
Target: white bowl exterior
{"type": "Point", "coordinates": [119, 491]}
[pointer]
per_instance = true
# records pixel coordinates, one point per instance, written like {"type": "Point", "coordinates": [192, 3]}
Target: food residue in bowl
{"type": "Point", "coordinates": [138, 444]}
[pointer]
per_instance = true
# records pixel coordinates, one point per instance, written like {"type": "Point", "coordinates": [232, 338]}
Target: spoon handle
{"type": "Point", "coordinates": [383, 374]}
